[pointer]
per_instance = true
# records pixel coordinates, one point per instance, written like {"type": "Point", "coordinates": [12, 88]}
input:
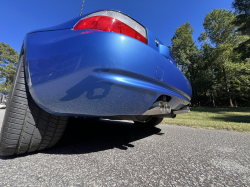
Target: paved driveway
{"type": "Point", "coordinates": [117, 154]}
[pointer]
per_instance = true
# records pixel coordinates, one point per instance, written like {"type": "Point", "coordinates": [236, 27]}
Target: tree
{"type": "Point", "coordinates": [196, 63]}
{"type": "Point", "coordinates": [239, 75]}
{"type": "Point", "coordinates": [241, 6]}
{"type": "Point", "coordinates": [206, 80]}
{"type": "Point", "coordinates": [242, 21]}
{"type": "Point", "coordinates": [220, 30]}
{"type": "Point", "coordinates": [2, 87]}
{"type": "Point", "coordinates": [7, 54]}
{"type": "Point", "coordinates": [8, 58]}
{"type": "Point", "coordinates": [184, 49]}
{"type": "Point", "coordinates": [216, 71]}
{"type": "Point", "coordinates": [7, 72]}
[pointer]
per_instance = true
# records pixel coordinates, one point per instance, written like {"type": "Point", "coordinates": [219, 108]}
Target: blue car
{"type": "Point", "coordinates": [101, 65]}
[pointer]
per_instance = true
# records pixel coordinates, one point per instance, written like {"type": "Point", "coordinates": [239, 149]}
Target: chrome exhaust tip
{"type": "Point", "coordinates": [162, 107]}
{"type": "Point", "coordinates": [159, 108]}
{"type": "Point", "coordinates": [167, 107]}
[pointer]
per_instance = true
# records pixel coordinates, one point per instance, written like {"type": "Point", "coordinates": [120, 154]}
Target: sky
{"type": "Point", "coordinates": [162, 17]}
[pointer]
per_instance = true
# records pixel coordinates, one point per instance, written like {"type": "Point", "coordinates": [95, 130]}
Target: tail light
{"type": "Point", "coordinates": [112, 21]}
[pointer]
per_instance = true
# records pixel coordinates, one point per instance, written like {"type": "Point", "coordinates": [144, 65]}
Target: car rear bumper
{"type": "Point", "coordinates": [92, 73]}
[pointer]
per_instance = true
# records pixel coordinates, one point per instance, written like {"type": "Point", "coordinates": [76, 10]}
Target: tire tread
{"type": "Point", "coordinates": [26, 127]}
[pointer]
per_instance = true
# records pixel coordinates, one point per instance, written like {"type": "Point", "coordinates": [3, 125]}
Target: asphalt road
{"type": "Point", "coordinates": [117, 154]}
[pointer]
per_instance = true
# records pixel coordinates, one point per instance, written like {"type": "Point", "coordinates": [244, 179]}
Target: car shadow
{"type": "Point", "coordinates": [81, 137]}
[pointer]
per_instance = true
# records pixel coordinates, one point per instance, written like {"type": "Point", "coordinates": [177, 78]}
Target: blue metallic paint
{"type": "Point", "coordinates": [159, 73]}
{"type": "Point", "coordinates": [151, 40]}
{"type": "Point", "coordinates": [93, 73]}
{"type": "Point", "coordinates": [166, 52]}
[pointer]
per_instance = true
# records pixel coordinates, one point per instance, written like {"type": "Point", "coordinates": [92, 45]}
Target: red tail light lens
{"type": "Point", "coordinates": [109, 24]}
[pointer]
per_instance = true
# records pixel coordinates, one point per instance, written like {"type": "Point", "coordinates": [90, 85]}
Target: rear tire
{"type": "Point", "coordinates": [26, 127]}
{"type": "Point", "coordinates": [150, 123]}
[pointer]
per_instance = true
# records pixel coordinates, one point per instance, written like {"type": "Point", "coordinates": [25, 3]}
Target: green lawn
{"type": "Point", "coordinates": [237, 119]}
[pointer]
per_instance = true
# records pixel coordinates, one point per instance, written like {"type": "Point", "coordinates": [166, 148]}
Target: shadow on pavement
{"type": "Point", "coordinates": [82, 137]}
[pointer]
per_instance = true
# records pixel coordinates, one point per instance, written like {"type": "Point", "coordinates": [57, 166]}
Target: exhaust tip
{"type": "Point", "coordinates": [167, 107]}
{"type": "Point", "coordinates": [162, 107]}
{"type": "Point", "coordinates": [159, 108]}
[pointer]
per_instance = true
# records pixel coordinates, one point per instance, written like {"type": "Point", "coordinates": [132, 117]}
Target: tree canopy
{"type": "Point", "coordinates": [242, 21]}
{"type": "Point", "coordinates": [219, 74]}
{"type": "Point", "coordinates": [217, 25]}
{"type": "Point", "coordinates": [7, 54]}
{"type": "Point", "coordinates": [8, 59]}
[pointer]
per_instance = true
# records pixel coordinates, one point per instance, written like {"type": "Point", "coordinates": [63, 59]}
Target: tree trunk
{"type": "Point", "coordinates": [3, 98]}
{"type": "Point", "coordinates": [227, 89]}
{"type": "Point", "coordinates": [5, 90]}
{"type": "Point", "coordinates": [236, 105]}
{"type": "Point", "coordinates": [213, 98]}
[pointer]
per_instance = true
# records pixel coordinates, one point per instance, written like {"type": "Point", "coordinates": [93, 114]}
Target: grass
{"type": "Point", "coordinates": [234, 119]}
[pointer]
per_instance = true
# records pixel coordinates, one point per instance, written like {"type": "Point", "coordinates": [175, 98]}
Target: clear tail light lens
{"type": "Point", "coordinates": [115, 23]}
